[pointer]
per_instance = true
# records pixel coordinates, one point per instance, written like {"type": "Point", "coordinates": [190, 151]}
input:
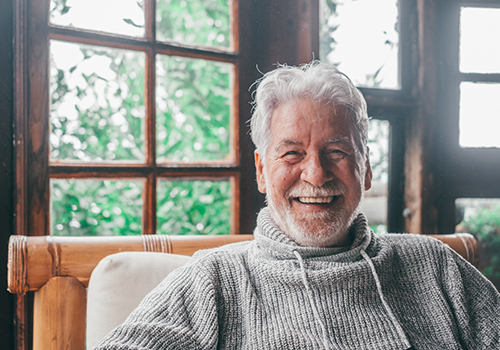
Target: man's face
{"type": "Point", "coordinates": [313, 174]}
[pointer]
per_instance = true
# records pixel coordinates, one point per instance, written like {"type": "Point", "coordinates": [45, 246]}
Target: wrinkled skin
{"type": "Point", "coordinates": [313, 172]}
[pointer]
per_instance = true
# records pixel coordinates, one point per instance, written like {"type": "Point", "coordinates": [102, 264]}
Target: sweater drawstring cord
{"type": "Point", "coordinates": [326, 341]}
{"type": "Point", "coordinates": [399, 329]}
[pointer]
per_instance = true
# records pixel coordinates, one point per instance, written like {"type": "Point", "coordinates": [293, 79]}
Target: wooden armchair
{"type": "Point", "coordinates": [57, 270]}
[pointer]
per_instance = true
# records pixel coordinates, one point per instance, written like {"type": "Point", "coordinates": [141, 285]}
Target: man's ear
{"type": "Point", "coordinates": [259, 166]}
{"type": "Point", "coordinates": [368, 171]}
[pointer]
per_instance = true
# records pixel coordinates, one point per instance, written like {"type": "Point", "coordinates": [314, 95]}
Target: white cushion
{"type": "Point", "coordinates": [117, 285]}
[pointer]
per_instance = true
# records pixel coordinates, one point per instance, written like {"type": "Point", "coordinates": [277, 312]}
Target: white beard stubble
{"type": "Point", "coordinates": [321, 229]}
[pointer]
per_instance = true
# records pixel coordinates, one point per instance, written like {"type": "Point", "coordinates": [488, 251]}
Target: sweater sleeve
{"type": "Point", "coordinates": [474, 301]}
{"type": "Point", "coordinates": [180, 313]}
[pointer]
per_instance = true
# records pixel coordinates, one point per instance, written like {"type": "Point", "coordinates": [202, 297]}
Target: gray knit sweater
{"type": "Point", "coordinates": [384, 292]}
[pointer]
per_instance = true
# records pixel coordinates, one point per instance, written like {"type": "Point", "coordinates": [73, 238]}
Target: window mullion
{"type": "Point", "coordinates": [149, 194]}
{"type": "Point", "coordinates": [149, 205]}
{"type": "Point", "coordinates": [150, 19]}
{"type": "Point", "coordinates": [38, 114]}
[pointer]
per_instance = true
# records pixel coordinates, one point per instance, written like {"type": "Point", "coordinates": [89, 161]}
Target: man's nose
{"type": "Point", "coordinates": [316, 171]}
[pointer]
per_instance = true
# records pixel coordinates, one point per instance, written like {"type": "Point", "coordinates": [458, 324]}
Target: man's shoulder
{"type": "Point", "coordinates": [411, 252]}
{"type": "Point", "coordinates": [407, 238]}
{"type": "Point", "coordinates": [411, 242]}
{"type": "Point", "coordinates": [214, 263]}
{"type": "Point", "coordinates": [232, 251]}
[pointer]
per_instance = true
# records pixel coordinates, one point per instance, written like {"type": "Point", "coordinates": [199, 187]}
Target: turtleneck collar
{"type": "Point", "coordinates": [269, 237]}
{"type": "Point", "coordinates": [272, 241]}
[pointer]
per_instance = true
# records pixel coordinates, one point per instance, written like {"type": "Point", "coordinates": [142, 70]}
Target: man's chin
{"type": "Point", "coordinates": [316, 230]}
{"type": "Point", "coordinates": [311, 236]}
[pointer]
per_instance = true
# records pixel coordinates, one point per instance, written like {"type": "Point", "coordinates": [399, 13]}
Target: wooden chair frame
{"type": "Point", "coordinates": [57, 270]}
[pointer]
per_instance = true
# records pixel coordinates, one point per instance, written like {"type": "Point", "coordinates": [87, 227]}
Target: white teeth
{"type": "Point", "coordinates": [315, 200]}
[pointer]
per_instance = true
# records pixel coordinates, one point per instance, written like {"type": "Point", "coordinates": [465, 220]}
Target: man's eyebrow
{"type": "Point", "coordinates": [287, 143]}
{"type": "Point", "coordinates": [343, 140]}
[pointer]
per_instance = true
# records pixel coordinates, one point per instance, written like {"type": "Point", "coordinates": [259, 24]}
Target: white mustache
{"type": "Point", "coordinates": [304, 189]}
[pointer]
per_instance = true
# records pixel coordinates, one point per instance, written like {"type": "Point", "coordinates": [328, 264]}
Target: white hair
{"type": "Point", "coordinates": [316, 81]}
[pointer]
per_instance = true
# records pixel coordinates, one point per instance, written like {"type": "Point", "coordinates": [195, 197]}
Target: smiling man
{"type": "Point", "coordinates": [315, 276]}
{"type": "Point", "coordinates": [315, 172]}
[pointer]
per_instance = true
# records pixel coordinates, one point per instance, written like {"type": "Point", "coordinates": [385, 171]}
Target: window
{"type": "Point", "coordinates": [375, 203]}
{"type": "Point", "coordinates": [470, 160]}
{"type": "Point", "coordinates": [351, 31]}
{"type": "Point", "coordinates": [479, 63]}
{"type": "Point", "coordinates": [481, 216]}
{"type": "Point", "coordinates": [362, 38]}
{"type": "Point", "coordinates": [135, 118]}
{"type": "Point", "coordinates": [474, 113]}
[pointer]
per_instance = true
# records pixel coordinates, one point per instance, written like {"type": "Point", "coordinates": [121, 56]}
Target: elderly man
{"type": "Point", "coordinates": [315, 276]}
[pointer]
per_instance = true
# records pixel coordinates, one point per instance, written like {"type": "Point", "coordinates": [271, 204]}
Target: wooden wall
{"type": "Point", "coordinates": [6, 167]}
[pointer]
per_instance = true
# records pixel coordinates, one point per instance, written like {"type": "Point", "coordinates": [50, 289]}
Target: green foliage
{"type": "Point", "coordinates": [379, 228]}
{"type": "Point", "coordinates": [485, 224]}
{"type": "Point", "coordinates": [97, 104]}
{"type": "Point", "coordinates": [196, 22]}
{"type": "Point", "coordinates": [59, 7]}
{"type": "Point", "coordinates": [193, 109]}
{"type": "Point", "coordinates": [122, 17]}
{"type": "Point", "coordinates": [96, 208]}
{"type": "Point", "coordinates": [193, 207]}
{"type": "Point", "coordinates": [97, 114]}
{"type": "Point", "coordinates": [327, 28]}
{"type": "Point", "coordinates": [378, 143]}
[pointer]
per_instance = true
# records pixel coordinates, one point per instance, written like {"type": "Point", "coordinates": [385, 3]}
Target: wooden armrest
{"type": "Point", "coordinates": [464, 244]}
{"type": "Point", "coordinates": [34, 260]}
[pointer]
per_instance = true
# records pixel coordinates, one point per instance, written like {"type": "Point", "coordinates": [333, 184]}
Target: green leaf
{"type": "Point", "coordinates": [129, 21]}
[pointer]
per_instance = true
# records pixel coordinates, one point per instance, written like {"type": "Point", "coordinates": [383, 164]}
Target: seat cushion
{"type": "Point", "coordinates": [117, 285]}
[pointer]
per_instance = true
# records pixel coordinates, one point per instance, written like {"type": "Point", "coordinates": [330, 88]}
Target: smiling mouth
{"type": "Point", "coordinates": [316, 200]}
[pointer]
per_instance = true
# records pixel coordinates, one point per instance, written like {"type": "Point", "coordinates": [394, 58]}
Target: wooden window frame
{"type": "Point", "coordinates": [459, 175]}
{"type": "Point", "coordinates": [31, 131]}
{"type": "Point", "coordinates": [34, 169]}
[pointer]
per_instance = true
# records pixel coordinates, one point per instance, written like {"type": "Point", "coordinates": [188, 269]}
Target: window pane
{"type": "Point", "coordinates": [374, 205]}
{"type": "Point", "coordinates": [481, 217]}
{"type": "Point", "coordinates": [193, 207]}
{"type": "Point", "coordinates": [195, 22]}
{"type": "Point", "coordinates": [193, 105]}
{"type": "Point", "coordinates": [95, 207]}
{"type": "Point", "coordinates": [479, 44]}
{"type": "Point", "coordinates": [97, 103]}
{"type": "Point", "coordinates": [479, 114]}
{"type": "Point", "coordinates": [124, 17]}
{"type": "Point", "coordinates": [361, 38]}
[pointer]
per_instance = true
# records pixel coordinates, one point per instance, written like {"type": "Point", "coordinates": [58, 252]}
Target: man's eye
{"type": "Point", "coordinates": [291, 156]}
{"type": "Point", "coordinates": [335, 154]}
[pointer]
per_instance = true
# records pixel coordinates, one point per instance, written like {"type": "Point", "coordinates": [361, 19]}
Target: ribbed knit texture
{"type": "Point", "coordinates": [384, 292]}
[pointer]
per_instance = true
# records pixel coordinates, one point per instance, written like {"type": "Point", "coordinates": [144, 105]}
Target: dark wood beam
{"type": "Point", "coordinates": [6, 166]}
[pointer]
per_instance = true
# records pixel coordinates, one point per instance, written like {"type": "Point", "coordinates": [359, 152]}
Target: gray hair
{"type": "Point", "coordinates": [317, 81]}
